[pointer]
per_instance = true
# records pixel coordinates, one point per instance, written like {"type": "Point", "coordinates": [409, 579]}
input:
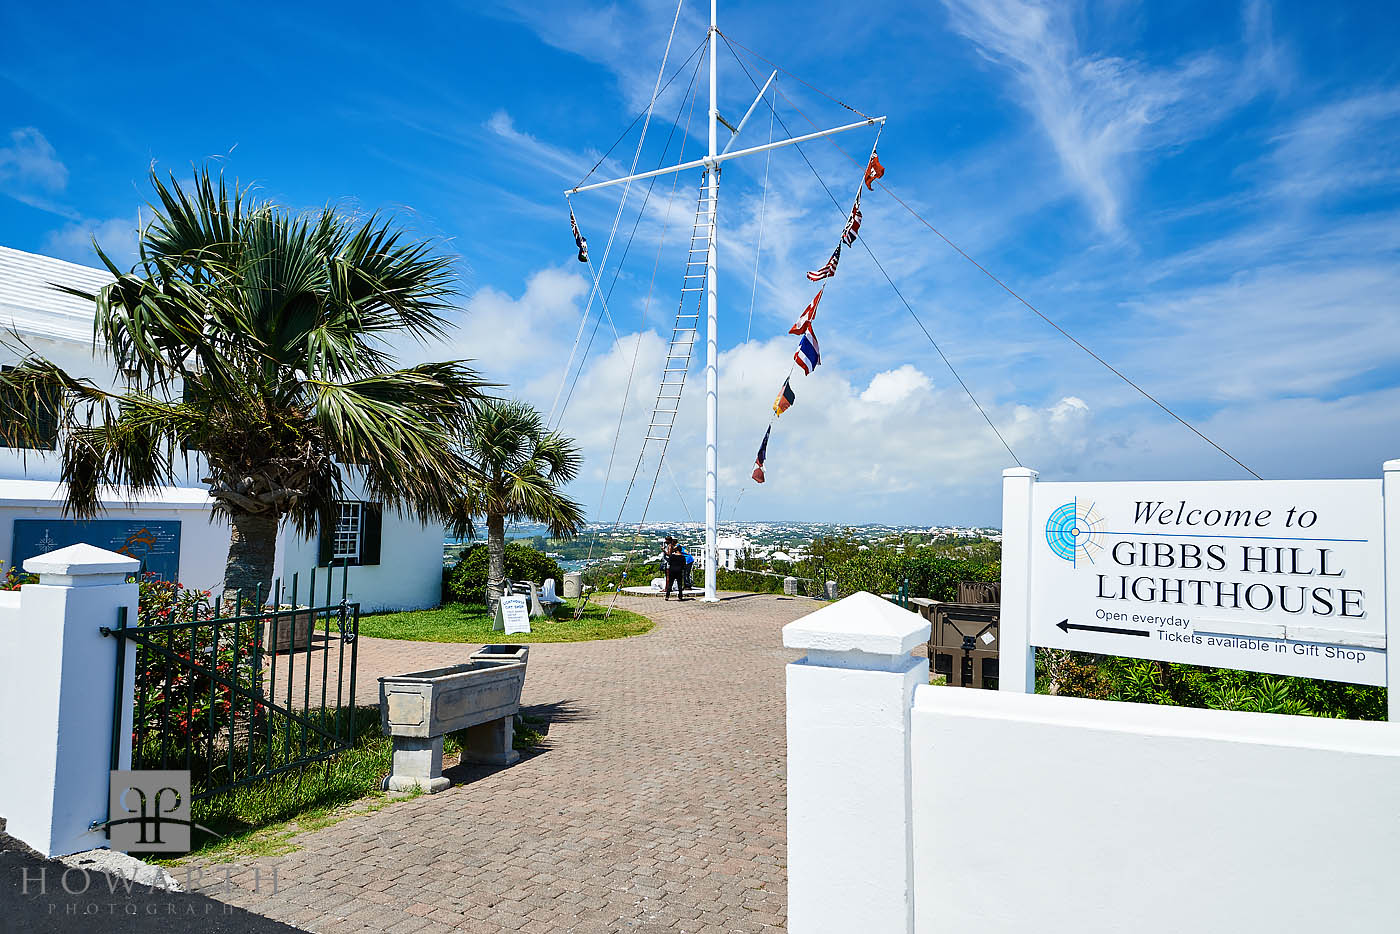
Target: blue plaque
{"type": "Point", "coordinates": [153, 542]}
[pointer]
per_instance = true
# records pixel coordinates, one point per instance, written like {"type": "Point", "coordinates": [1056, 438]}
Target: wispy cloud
{"type": "Point", "coordinates": [117, 236]}
{"type": "Point", "coordinates": [32, 173]}
{"type": "Point", "coordinates": [1100, 109]}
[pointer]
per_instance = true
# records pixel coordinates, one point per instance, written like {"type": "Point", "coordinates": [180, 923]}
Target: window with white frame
{"type": "Point", "coordinates": [349, 529]}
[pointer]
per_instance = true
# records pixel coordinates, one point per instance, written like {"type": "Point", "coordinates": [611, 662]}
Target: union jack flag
{"type": "Point", "coordinates": [827, 271]}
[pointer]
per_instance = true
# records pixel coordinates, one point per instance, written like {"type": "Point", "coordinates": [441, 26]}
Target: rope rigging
{"type": "Point", "coordinates": [627, 248]}
{"type": "Point", "coordinates": [665, 226]}
{"type": "Point", "coordinates": [621, 204]}
{"type": "Point", "coordinates": [863, 241]}
{"type": "Point", "coordinates": [981, 268]}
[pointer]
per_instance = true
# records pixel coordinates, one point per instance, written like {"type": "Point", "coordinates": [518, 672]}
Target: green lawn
{"type": "Point", "coordinates": [470, 622]}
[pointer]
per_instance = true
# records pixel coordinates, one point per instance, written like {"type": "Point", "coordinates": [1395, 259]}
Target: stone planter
{"type": "Point", "coordinates": [502, 654]}
{"type": "Point", "coordinates": [480, 697]}
{"type": "Point", "coordinates": [293, 632]}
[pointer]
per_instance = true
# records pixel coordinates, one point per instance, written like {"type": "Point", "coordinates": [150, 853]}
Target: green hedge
{"type": "Point", "coordinates": [931, 576]}
{"type": "Point", "coordinates": [465, 582]}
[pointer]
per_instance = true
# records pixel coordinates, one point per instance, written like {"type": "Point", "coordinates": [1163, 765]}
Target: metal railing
{"type": "Point", "coordinates": [240, 697]}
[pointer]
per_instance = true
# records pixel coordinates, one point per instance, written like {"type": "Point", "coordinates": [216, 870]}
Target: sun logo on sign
{"type": "Point", "coordinates": [1074, 532]}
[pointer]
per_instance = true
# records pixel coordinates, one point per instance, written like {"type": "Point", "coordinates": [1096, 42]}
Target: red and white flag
{"type": "Point", "coordinates": [873, 170]}
{"type": "Point", "coordinates": [809, 314]}
{"type": "Point", "coordinates": [827, 271]}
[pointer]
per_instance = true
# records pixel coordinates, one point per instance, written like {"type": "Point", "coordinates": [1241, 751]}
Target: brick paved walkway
{"type": "Point", "coordinates": [657, 805]}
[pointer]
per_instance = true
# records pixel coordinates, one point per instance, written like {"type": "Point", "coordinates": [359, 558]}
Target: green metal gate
{"type": "Point", "coordinates": [241, 697]}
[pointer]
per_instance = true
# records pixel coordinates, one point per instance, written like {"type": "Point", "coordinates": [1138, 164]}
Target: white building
{"type": "Point", "coordinates": [729, 549]}
{"type": "Point", "coordinates": [395, 562]}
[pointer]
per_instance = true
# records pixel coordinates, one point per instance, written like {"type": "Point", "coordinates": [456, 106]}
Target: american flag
{"type": "Point", "coordinates": [848, 236]}
{"type": "Point", "coordinates": [827, 271]}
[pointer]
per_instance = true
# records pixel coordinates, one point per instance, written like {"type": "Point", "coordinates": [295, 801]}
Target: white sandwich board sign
{"type": "Point", "coordinates": [1280, 576]}
{"type": "Point", "coordinates": [513, 614]}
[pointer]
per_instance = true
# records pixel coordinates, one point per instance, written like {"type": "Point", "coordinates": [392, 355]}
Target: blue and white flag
{"type": "Point", "coordinates": [808, 356]}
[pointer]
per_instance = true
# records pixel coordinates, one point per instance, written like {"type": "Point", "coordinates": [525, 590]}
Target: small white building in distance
{"type": "Point", "coordinates": [394, 562]}
{"type": "Point", "coordinates": [729, 549]}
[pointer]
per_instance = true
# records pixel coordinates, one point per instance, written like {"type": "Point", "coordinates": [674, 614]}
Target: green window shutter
{"type": "Point", "coordinates": [371, 530]}
{"type": "Point", "coordinates": [326, 545]}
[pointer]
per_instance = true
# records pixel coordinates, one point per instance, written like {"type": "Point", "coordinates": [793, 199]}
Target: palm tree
{"type": "Point", "coordinates": [520, 468]}
{"type": "Point", "coordinates": [261, 339]}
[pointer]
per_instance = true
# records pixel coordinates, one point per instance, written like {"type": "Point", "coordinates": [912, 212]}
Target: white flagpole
{"type": "Point", "coordinates": [712, 334]}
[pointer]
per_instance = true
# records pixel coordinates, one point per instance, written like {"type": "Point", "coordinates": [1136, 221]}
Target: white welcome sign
{"type": "Point", "coordinates": [1282, 576]}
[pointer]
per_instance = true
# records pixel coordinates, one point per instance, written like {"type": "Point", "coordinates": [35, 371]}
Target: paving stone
{"type": "Point", "coordinates": [656, 804]}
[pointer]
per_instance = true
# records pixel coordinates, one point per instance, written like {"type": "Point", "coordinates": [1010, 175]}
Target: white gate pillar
{"type": "Point", "coordinates": [1016, 658]}
{"type": "Point", "coordinates": [58, 736]}
{"type": "Point", "coordinates": [850, 862]}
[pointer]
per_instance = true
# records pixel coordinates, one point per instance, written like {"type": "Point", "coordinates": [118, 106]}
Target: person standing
{"type": "Point", "coordinates": [675, 568]}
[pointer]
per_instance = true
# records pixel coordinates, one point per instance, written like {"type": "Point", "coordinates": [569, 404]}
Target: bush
{"type": "Point", "coordinates": [15, 578]}
{"type": "Point", "coordinates": [1106, 677]}
{"type": "Point", "coordinates": [933, 576]}
{"type": "Point", "coordinates": [465, 582]}
{"type": "Point", "coordinates": [184, 707]}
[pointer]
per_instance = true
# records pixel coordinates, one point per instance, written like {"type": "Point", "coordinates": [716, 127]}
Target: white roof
{"type": "Point", "coordinates": [31, 305]}
{"type": "Point", "coordinates": [730, 541]}
{"type": "Point", "coordinates": [50, 492]}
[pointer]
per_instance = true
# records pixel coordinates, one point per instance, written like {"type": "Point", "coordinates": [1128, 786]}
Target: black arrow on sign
{"type": "Point", "coordinates": [1065, 626]}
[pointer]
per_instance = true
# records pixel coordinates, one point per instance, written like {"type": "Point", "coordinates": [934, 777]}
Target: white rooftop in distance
{"type": "Point", "coordinates": [30, 304]}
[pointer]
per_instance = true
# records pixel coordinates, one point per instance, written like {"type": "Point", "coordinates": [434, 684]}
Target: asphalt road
{"type": "Point", "coordinates": [39, 895]}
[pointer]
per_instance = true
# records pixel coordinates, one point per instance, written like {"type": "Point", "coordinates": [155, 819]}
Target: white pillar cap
{"type": "Point", "coordinates": [1391, 466]}
{"type": "Point", "coordinates": [1020, 472]}
{"type": "Point", "coordinates": [96, 566]}
{"type": "Point", "coordinates": [861, 622]}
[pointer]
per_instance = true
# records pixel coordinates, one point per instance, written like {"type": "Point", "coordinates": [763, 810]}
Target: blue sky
{"type": "Point", "coordinates": [1204, 193]}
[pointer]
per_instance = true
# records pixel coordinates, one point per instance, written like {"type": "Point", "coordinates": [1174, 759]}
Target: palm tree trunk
{"type": "Point", "coordinates": [495, 558]}
{"type": "Point", "coordinates": [252, 549]}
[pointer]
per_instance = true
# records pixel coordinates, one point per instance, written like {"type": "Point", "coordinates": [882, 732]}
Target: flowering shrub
{"type": "Point", "coordinates": [15, 578]}
{"type": "Point", "coordinates": [180, 707]}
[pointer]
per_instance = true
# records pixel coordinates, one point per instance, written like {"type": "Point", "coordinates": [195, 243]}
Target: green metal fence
{"type": "Point", "coordinates": [240, 693]}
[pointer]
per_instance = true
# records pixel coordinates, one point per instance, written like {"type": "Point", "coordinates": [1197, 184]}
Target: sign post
{"type": "Point", "coordinates": [1391, 504]}
{"type": "Point", "coordinates": [1288, 576]}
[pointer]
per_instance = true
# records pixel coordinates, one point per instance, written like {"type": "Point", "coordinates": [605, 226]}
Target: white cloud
{"type": "Point", "coordinates": [117, 236]}
{"type": "Point", "coordinates": [550, 158]}
{"type": "Point", "coordinates": [894, 386]}
{"type": "Point", "coordinates": [32, 173]}
{"type": "Point", "coordinates": [628, 38]}
{"type": "Point", "coordinates": [30, 161]}
{"type": "Point", "coordinates": [1099, 110]}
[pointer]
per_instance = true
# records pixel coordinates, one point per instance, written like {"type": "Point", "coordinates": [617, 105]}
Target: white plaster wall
{"type": "Point", "coordinates": [11, 670]}
{"type": "Point", "coordinates": [60, 676]}
{"type": "Point", "coordinates": [1050, 814]}
{"type": "Point", "coordinates": [77, 359]}
{"type": "Point", "coordinates": [847, 795]}
{"type": "Point", "coordinates": [409, 575]}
